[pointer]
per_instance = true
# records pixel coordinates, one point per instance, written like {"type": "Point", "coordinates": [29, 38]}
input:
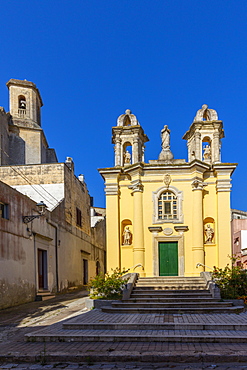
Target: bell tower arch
{"type": "Point", "coordinates": [129, 139]}
{"type": "Point", "coordinates": [204, 136]}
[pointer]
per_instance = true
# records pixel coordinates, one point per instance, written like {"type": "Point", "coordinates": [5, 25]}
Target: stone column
{"type": "Point", "coordinates": [135, 150]}
{"type": "Point", "coordinates": [118, 152]}
{"type": "Point", "coordinates": [138, 240]}
{"type": "Point", "coordinates": [216, 147]}
{"type": "Point", "coordinates": [197, 234]}
{"type": "Point", "coordinates": [198, 149]}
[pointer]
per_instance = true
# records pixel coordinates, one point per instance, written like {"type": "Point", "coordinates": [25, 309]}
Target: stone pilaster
{"type": "Point", "coordinates": [197, 237]}
{"type": "Point", "coordinates": [138, 240]}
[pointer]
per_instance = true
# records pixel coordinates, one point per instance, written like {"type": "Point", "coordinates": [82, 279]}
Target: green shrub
{"type": "Point", "coordinates": [108, 286]}
{"type": "Point", "coordinates": [232, 281]}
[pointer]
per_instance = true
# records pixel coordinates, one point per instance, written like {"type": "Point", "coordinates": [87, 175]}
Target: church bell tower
{"type": "Point", "coordinates": [204, 136]}
{"type": "Point", "coordinates": [24, 103]}
{"type": "Point", "coordinates": [129, 139]}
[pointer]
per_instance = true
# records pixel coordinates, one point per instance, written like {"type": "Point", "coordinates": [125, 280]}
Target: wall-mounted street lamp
{"type": "Point", "coordinates": [41, 208]}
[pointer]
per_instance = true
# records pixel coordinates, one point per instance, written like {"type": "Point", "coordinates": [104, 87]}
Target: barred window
{"type": "Point", "coordinates": [167, 206]}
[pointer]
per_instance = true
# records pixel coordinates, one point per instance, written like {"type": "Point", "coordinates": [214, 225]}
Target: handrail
{"type": "Point", "coordinates": [201, 264]}
{"type": "Point", "coordinates": [134, 267]}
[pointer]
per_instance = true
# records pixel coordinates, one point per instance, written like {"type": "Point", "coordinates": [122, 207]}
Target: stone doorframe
{"type": "Point", "coordinates": [179, 238]}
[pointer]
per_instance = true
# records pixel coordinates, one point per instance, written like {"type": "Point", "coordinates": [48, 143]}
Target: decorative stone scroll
{"type": "Point", "coordinates": [206, 114]}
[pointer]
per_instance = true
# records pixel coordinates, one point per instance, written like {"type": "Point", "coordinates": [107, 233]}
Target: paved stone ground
{"type": "Point", "coordinates": [124, 366]}
{"type": "Point", "coordinates": [16, 353]}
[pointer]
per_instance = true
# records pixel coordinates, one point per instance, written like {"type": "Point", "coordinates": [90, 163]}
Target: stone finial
{"type": "Point", "coordinates": [127, 119]}
{"type": "Point", "coordinates": [165, 154]}
{"type": "Point", "coordinates": [206, 114]}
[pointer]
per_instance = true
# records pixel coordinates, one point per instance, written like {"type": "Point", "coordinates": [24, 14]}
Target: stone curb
{"type": "Point", "coordinates": [124, 357]}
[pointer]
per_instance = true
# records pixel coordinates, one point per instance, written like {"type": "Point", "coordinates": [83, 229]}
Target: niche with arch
{"type": "Point", "coordinates": [209, 230]}
{"type": "Point", "coordinates": [127, 153]}
{"type": "Point", "coordinates": [206, 149]}
{"type": "Point", "coordinates": [126, 232]}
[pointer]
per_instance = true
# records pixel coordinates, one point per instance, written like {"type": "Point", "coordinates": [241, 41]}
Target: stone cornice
{"type": "Point", "coordinates": [224, 168]}
{"type": "Point", "coordinates": [204, 125]}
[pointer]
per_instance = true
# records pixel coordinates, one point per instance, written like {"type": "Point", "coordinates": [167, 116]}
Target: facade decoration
{"type": "Point", "coordinates": [167, 180]}
{"type": "Point", "coordinates": [169, 202]}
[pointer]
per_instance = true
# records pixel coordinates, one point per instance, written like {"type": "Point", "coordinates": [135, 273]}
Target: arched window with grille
{"type": "Point", "coordinates": [167, 206]}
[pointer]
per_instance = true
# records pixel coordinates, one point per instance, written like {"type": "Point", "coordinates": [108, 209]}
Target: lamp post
{"type": "Point", "coordinates": [41, 208]}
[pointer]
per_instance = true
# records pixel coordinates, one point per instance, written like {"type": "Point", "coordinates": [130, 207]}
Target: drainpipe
{"type": "Point", "coordinates": [56, 252]}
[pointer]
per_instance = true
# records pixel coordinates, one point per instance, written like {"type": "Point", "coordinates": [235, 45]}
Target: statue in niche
{"type": "Point", "coordinates": [127, 236]}
{"type": "Point", "coordinates": [209, 233]}
{"type": "Point", "coordinates": [207, 152]}
{"type": "Point", "coordinates": [127, 157]}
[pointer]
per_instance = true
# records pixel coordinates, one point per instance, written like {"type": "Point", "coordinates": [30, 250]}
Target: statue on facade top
{"type": "Point", "coordinates": [127, 119]}
{"type": "Point", "coordinates": [206, 114]}
{"type": "Point", "coordinates": [165, 154]}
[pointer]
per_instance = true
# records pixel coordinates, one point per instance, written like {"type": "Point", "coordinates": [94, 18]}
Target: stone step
{"type": "Point", "coordinates": [171, 278]}
{"type": "Point", "coordinates": [172, 305]}
{"type": "Point", "coordinates": [43, 295]}
{"type": "Point", "coordinates": [175, 290]}
{"type": "Point", "coordinates": [170, 285]}
{"type": "Point", "coordinates": [173, 310]}
{"type": "Point", "coordinates": [161, 294]}
{"type": "Point", "coordinates": [209, 336]}
{"type": "Point", "coordinates": [170, 299]}
{"type": "Point", "coordinates": [154, 326]}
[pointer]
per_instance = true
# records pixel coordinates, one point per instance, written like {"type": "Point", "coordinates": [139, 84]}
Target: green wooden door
{"type": "Point", "coordinates": [168, 259]}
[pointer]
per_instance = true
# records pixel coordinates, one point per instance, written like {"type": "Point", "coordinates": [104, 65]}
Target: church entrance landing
{"type": "Point", "coordinates": [168, 258]}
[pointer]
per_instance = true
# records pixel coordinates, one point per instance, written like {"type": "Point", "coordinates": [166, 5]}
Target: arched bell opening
{"type": "Point", "coordinates": [22, 106]}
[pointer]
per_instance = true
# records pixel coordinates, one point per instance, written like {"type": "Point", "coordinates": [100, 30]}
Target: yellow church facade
{"type": "Point", "coordinates": [168, 217]}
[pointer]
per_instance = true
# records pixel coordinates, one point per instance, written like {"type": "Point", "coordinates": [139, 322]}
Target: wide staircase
{"type": "Point", "coordinates": [171, 295]}
{"type": "Point", "coordinates": [169, 309]}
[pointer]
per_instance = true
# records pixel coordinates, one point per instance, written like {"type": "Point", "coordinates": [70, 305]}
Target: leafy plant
{"type": "Point", "coordinates": [232, 281]}
{"type": "Point", "coordinates": [107, 286]}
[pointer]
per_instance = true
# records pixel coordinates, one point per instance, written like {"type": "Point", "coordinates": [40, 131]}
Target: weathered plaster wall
{"type": "Point", "coordinates": [18, 249]}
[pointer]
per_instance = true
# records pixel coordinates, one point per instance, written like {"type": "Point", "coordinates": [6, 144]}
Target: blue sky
{"type": "Point", "coordinates": [91, 60]}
